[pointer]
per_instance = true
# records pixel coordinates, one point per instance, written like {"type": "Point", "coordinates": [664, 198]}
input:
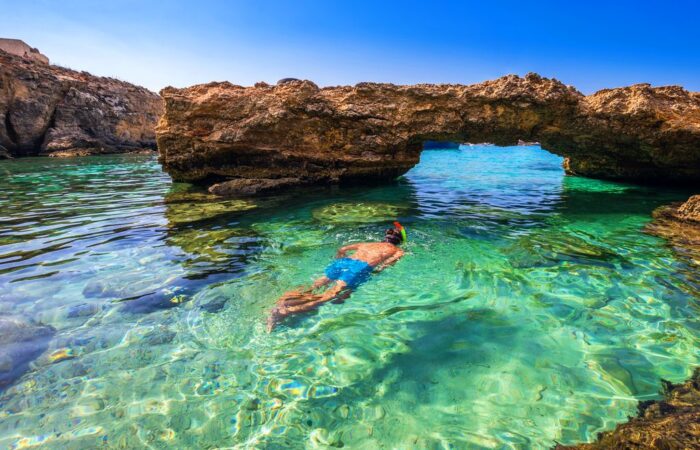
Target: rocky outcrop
{"type": "Point", "coordinates": [688, 211]}
{"type": "Point", "coordinates": [50, 110]}
{"type": "Point", "coordinates": [376, 131]}
{"type": "Point", "coordinates": [671, 423]}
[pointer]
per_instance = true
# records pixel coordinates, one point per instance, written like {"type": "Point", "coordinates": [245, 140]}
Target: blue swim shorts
{"type": "Point", "coordinates": [352, 271]}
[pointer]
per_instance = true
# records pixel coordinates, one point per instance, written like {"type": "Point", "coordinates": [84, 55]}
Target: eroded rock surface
{"type": "Point", "coordinates": [50, 110]}
{"type": "Point", "coordinates": [376, 131]}
{"type": "Point", "coordinates": [671, 423]}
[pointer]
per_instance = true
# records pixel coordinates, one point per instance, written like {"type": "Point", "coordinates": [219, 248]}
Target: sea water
{"type": "Point", "coordinates": [531, 308]}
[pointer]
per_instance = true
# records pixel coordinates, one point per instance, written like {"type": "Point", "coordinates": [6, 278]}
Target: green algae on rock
{"type": "Point", "coordinates": [359, 212]}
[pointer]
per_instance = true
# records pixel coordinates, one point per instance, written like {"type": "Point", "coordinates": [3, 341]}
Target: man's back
{"type": "Point", "coordinates": [374, 253]}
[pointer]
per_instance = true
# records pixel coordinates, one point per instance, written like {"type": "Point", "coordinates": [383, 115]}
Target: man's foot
{"type": "Point", "coordinates": [276, 315]}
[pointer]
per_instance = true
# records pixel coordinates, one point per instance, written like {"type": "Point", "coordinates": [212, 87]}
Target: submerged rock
{"type": "Point", "coordinates": [252, 186]}
{"type": "Point", "coordinates": [358, 212]}
{"type": "Point", "coordinates": [54, 111]}
{"type": "Point", "coordinates": [671, 423]}
{"type": "Point", "coordinates": [21, 342]}
{"type": "Point", "coordinates": [375, 131]}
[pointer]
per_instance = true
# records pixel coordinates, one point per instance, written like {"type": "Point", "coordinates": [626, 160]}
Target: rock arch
{"type": "Point", "coordinates": [297, 131]}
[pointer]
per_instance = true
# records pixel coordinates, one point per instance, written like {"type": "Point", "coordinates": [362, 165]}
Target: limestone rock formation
{"type": "Point", "coordinates": [220, 131]}
{"type": "Point", "coordinates": [50, 110]}
{"type": "Point", "coordinates": [671, 423]}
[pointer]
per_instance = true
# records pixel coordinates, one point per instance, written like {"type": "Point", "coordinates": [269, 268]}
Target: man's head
{"type": "Point", "coordinates": [392, 236]}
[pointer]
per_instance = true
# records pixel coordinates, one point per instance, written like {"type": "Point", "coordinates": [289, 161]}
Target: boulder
{"type": "Point", "coordinates": [21, 342]}
{"type": "Point", "coordinates": [375, 131]}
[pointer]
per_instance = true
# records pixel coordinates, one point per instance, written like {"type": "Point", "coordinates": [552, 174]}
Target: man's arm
{"type": "Point", "coordinates": [389, 261]}
{"type": "Point", "coordinates": [343, 250]}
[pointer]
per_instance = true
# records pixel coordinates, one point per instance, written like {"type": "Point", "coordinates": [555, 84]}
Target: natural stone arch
{"type": "Point", "coordinates": [296, 131]}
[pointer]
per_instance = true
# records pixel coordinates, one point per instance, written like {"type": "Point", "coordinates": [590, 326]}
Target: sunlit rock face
{"type": "Point", "coordinates": [50, 110]}
{"type": "Point", "coordinates": [372, 131]}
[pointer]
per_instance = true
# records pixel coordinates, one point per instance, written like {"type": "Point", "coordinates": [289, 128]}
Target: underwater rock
{"type": "Point", "coordinates": [83, 310]}
{"type": "Point", "coordinates": [180, 213]}
{"type": "Point", "coordinates": [553, 248]}
{"type": "Point", "coordinates": [252, 186]}
{"type": "Point", "coordinates": [375, 131]}
{"type": "Point", "coordinates": [54, 111]}
{"type": "Point", "coordinates": [671, 423]}
{"type": "Point", "coordinates": [358, 212]}
{"type": "Point", "coordinates": [21, 342]}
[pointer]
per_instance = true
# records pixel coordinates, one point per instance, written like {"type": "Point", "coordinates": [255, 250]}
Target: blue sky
{"type": "Point", "coordinates": [591, 45]}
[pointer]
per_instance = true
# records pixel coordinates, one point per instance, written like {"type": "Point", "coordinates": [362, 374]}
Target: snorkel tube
{"type": "Point", "coordinates": [400, 227]}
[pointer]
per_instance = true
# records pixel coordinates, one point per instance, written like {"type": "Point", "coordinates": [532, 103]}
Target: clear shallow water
{"type": "Point", "coordinates": [530, 309]}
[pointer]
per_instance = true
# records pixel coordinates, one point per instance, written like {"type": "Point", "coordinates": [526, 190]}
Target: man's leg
{"type": "Point", "coordinates": [306, 302]}
{"type": "Point", "coordinates": [331, 293]}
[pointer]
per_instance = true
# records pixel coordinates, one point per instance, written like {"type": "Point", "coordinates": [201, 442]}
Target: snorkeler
{"type": "Point", "coordinates": [345, 273]}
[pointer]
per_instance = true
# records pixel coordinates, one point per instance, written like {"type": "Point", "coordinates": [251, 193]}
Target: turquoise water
{"type": "Point", "coordinates": [530, 309]}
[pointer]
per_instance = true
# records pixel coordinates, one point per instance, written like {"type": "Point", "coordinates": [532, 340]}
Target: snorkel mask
{"type": "Point", "coordinates": [402, 230]}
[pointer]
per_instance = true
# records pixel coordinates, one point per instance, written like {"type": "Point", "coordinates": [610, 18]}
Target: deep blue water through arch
{"type": "Point", "coordinates": [531, 308]}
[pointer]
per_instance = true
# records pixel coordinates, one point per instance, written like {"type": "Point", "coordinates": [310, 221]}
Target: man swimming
{"type": "Point", "coordinates": [344, 274]}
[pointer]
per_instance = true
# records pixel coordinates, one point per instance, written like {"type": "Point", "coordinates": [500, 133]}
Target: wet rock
{"type": "Point", "coordinates": [671, 423]}
{"type": "Point", "coordinates": [688, 211]}
{"type": "Point", "coordinates": [54, 111]}
{"type": "Point", "coordinates": [679, 224]}
{"type": "Point", "coordinates": [252, 186]}
{"type": "Point", "coordinates": [375, 131]}
{"type": "Point", "coordinates": [21, 341]}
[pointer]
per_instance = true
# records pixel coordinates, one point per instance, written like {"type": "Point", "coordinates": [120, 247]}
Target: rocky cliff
{"type": "Point", "coordinates": [295, 130]}
{"type": "Point", "coordinates": [50, 110]}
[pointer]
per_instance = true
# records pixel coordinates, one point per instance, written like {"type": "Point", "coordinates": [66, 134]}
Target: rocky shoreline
{"type": "Point", "coordinates": [670, 423]}
{"type": "Point", "coordinates": [674, 421]}
{"type": "Point", "coordinates": [371, 131]}
{"type": "Point", "coordinates": [48, 110]}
